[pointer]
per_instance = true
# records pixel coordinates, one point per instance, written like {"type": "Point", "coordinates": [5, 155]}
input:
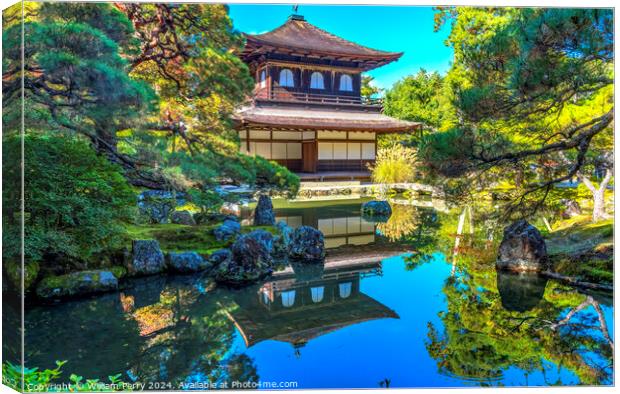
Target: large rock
{"type": "Point", "coordinates": [147, 258]}
{"type": "Point", "coordinates": [250, 260]}
{"type": "Point", "coordinates": [379, 209]}
{"type": "Point", "coordinates": [571, 209]}
{"type": "Point", "coordinates": [187, 262]}
{"type": "Point", "coordinates": [77, 284]}
{"type": "Point", "coordinates": [522, 249]}
{"type": "Point", "coordinates": [183, 217]}
{"type": "Point", "coordinates": [227, 230]}
{"type": "Point", "coordinates": [219, 256]}
{"type": "Point", "coordinates": [263, 214]}
{"type": "Point", "coordinates": [157, 205]}
{"type": "Point", "coordinates": [307, 245]}
{"type": "Point", "coordinates": [282, 239]}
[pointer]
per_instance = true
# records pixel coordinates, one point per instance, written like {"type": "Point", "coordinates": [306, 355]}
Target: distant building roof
{"type": "Point", "coordinates": [322, 119]}
{"type": "Point", "coordinates": [297, 36]}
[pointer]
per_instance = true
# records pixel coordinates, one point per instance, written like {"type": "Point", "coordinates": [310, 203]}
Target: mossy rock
{"type": "Point", "coordinates": [77, 284]}
{"type": "Point", "coordinates": [14, 272]}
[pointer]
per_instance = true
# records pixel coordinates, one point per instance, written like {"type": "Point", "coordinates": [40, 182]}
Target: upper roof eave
{"type": "Point", "coordinates": [297, 35]}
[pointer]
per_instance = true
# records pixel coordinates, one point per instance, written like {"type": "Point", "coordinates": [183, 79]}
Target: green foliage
{"type": "Point", "coordinates": [14, 273]}
{"type": "Point", "coordinates": [271, 174]}
{"type": "Point", "coordinates": [74, 200]}
{"type": "Point", "coordinates": [532, 89]}
{"type": "Point", "coordinates": [446, 153]}
{"type": "Point", "coordinates": [423, 97]}
{"type": "Point", "coordinates": [35, 380]}
{"type": "Point", "coordinates": [368, 90]}
{"type": "Point", "coordinates": [396, 164]}
{"type": "Point", "coordinates": [66, 49]}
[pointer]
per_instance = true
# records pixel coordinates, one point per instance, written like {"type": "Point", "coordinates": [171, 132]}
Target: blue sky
{"type": "Point", "coordinates": [390, 28]}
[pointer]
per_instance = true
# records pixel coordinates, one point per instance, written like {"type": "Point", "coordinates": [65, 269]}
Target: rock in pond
{"type": "Point", "coordinates": [147, 258]}
{"type": "Point", "coordinates": [522, 249]}
{"type": "Point", "coordinates": [263, 214]}
{"type": "Point", "coordinates": [182, 217]}
{"type": "Point", "coordinates": [219, 256]}
{"type": "Point", "coordinates": [227, 230]}
{"type": "Point", "coordinates": [379, 209]}
{"type": "Point", "coordinates": [187, 262]}
{"type": "Point", "coordinates": [282, 239]}
{"type": "Point", "coordinates": [76, 284]}
{"type": "Point", "coordinates": [307, 244]}
{"type": "Point", "coordinates": [250, 260]}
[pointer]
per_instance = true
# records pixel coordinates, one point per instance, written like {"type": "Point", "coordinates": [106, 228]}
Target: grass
{"type": "Point", "coordinates": [580, 248]}
{"type": "Point", "coordinates": [579, 235]}
{"type": "Point", "coordinates": [182, 238]}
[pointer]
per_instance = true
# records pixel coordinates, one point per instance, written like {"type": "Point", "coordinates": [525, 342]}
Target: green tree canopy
{"type": "Point", "coordinates": [516, 71]}
{"type": "Point", "coordinates": [422, 97]}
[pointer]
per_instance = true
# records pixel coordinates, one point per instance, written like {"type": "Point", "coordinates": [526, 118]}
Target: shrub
{"type": "Point", "coordinates": [36, 380]}
{"type": "Point", "coordinates": [74, 200]}
{"type": "Point", "coordinates": [396, 164]}
{"type": "Point", "coordinates": [269, 174]}
{"type": "Point", "coordinates": [447, 153]}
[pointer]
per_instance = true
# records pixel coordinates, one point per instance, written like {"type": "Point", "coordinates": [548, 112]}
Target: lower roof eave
{"type": "Point", "coordinates": [297, 127]}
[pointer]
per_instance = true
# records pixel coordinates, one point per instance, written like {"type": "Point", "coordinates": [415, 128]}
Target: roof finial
{"type": "Point", "coordinates": [295, 16]}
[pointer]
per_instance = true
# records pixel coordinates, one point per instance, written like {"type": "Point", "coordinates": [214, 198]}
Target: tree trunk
{"type": "Point", "coordinates": [598, 212]}
{"type": "Point", "coordinates": [598, 195]}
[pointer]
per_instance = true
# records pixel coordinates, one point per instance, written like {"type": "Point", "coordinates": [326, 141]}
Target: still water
{"type": "Point", "coordinates": [392, 306]}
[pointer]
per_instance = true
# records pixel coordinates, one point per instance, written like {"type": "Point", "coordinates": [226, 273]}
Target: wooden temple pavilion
{"type": "Point", "coordinates": [307, 112]}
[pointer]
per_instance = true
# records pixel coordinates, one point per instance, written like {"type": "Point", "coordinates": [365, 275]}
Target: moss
{"type": "Point", "coordinates": [579, 235]}
{"type": "Point", "coordinates": [182, 238]}
{"type": "Point", "coordinates": [14, 272]}
{"type": "Point", "coordinates": [580, 248]}
{"type": "Point", "coordinates": [591, 267]}
{"type": "Point", "coordinates": [118, 271]}
{"type": "Point", "coordinates": [60, 281]}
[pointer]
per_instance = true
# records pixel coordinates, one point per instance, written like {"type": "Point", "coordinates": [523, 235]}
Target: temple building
{"type": "Point", "coordinates": [307, 112]}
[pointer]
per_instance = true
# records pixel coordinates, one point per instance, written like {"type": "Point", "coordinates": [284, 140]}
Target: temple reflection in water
{"type": "Point", "coordinates": [340, 226]}
{"type": "Point", "coordinates": [303, 302]}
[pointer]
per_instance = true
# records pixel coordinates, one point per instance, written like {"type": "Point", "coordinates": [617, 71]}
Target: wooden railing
{"type": "Point", "coordinates": [279, 94]}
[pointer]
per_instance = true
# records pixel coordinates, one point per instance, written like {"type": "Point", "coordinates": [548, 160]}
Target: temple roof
{"type": "Point", "coordinates": [299, 37]}
{"type": "Point", "coordinates": [322, 119]}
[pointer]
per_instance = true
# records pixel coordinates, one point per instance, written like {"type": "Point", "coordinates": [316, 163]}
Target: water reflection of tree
{"type": "Point", "coordinates": [188, 337]}
{"type": "Point", "coordinates": [481, 338]}
{"type": "Point", "coordinates": [158, 330]}
{"type": "Point", "coordinates": [416, 227]}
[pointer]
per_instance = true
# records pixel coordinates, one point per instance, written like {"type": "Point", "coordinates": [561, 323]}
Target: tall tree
{"type": "Point", "coordinates": [515, 70]}
{"type": "Point", "coordinates": [75, 75]}
{"type": "Point", "coordinates": [422, 97]}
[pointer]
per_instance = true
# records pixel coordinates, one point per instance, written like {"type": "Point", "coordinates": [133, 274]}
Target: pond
{"type": "Point", "coordinates": [391, 307]}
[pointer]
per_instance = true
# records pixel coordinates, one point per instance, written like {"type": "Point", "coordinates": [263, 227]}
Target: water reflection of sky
{"type": "Point", "coordinates": [364, 354]}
